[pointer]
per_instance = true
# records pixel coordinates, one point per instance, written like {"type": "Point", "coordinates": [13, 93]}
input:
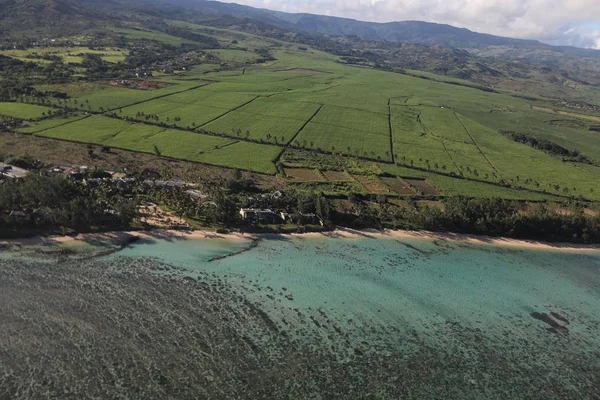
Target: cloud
{"type": "Point", "coordinates": [569, 22]}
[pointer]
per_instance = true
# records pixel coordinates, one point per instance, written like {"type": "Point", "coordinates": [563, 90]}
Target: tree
{"type": "Point", "coordinates": [237, 175]}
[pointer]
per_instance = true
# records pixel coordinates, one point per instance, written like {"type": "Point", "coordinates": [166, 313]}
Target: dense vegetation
{"type": "Point", "coordinates": [57, 203]}
{"type": "Point", "coordinates": [52, 203]}
{"type": "Point", "coordinates": [497, 217]}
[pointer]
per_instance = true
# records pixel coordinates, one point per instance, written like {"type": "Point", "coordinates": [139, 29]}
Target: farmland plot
{"type": "Point", "coordinates": [136, 137]}
{"type": "Point", "coordinates": [531, 168]}
{"type": "Point", "coordinates": [186, 145]}
{"type": "Point", "coordinates": [172, 143]}
{"type": "Point", "coordinates": [113, 98]}
{"type": "Point", "coordinates": [398, 186]}
{"type": "Point", "coordinates": [337, 176]}
{"type": "Point", "coordinates": [302, 175]}
{"type": "Point", "coordinates": [440, 143]}
{"type": "Point", "coordinates": [443, 124]}
{"type": "Point", "coordinates": [471, 161]}
{"type": "Point", "coordinates": [190, 109]}
{"type": "Point", "coordinates": [372, 184]}
{"type": "Point", "coordinates": [461, 187]}
{"type": "Point", "coordinates": [244, 155]}
{"type": "Point", "coordinates": [351, 118]}
{"type": "Point", "coordinates": [348, 131]}
{"type": "Point", "coordinates": [423, 186]}
{"type": "Point", "coordinates": [412, 146]}
{"type": "Point", "coordinates": [180, 115]}
{"type": "Point", "coordinates": [49, 123]}
{"type": "Point", "coordinates": [23, 111]}
{"type": "Point", "coordinates": [265, 119]}
{"type": "Point", "coordinates": [94, 129]}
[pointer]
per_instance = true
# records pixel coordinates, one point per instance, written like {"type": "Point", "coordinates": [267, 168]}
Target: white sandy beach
{"type": "Point", "coordinates": [118, 237]}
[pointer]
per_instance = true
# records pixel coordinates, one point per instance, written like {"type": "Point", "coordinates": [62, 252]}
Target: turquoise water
{"type": "Point", "coordinates": [410, 285]}
{"type": "Point", "coordinates": [457, 318]}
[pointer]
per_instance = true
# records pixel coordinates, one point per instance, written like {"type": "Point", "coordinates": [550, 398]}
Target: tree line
{"type": "Point", "coordinates": [56, 202]}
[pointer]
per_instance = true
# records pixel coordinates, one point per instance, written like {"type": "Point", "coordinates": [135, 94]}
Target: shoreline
{"type": "Point", "coordinates": [120, 237]}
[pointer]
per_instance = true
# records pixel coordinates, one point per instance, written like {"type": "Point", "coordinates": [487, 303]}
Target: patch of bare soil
{"type": "Point", "coordinates": [398, 186]}
{"type": "Point", "coordinates": [547, 110]}
{"type": "Point", "coordinates": [303, 175]}
{"type": "Point", "coordinates": [423, 186]}
{"type": "Point", "coordinates": [372, 184]}
{"type": "Point", "coordinates": [336, 176]}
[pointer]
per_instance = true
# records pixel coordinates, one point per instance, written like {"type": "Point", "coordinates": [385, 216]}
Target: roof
{"type": "Point", "coordinates": [256, 210]}
{"type": "Point", "coordinates": [196, 194]}
{"type": "Point", "coordinates": [10, 171]}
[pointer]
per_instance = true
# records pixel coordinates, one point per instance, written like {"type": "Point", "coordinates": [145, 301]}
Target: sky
{"type": "Point", "coordinates": [557, 22]}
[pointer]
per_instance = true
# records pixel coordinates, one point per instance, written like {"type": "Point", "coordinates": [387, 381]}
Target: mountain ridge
{"type": "Point", "coordinates": [410, 31]}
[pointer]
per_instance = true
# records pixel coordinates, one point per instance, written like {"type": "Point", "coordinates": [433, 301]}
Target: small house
{"type": "Point", "coordinates": [261, 216]}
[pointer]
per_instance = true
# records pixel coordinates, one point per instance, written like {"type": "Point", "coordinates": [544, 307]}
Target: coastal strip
{"type": "Point", "coordinates": [121, 237]}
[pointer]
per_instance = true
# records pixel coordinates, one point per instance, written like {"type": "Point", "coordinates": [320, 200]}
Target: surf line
{"type": "Point", "coordinates": [253, 244]}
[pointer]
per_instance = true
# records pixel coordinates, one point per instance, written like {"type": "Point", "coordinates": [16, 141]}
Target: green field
{"type": "Point", "coordinates": [172, 143]}
{"type": "Point", "coordinates": [49, 123]}
{"type": "Point", "coordinates": [348, 131]}
{"type": "Point", "coordinates": [74, 54]}
{"type": "Point", "coordinates": [24, 111]}
{"type": "Point", "coordinates": [190, 109]}
{"type": "Point", "coordinates": [265, 119]}
{"type": "Point", "coordinates": [305, 99]}
{"type": "Point", "coordinates": [108, 98]}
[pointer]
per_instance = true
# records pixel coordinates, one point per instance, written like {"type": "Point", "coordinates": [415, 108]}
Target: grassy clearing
{"type": "Point", "coordinates": [24, 111]}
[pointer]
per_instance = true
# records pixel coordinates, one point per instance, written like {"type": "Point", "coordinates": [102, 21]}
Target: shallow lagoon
{"type": "Point", "coordinates": [396, 281]}
{"type": "Point", "coordinates": [427, 318]}
{"type": "Point", "coordinates": [471, 306]}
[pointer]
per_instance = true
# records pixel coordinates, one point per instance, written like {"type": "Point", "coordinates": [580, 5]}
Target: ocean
{"type": "Point", "coordinates": [447, 319]}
